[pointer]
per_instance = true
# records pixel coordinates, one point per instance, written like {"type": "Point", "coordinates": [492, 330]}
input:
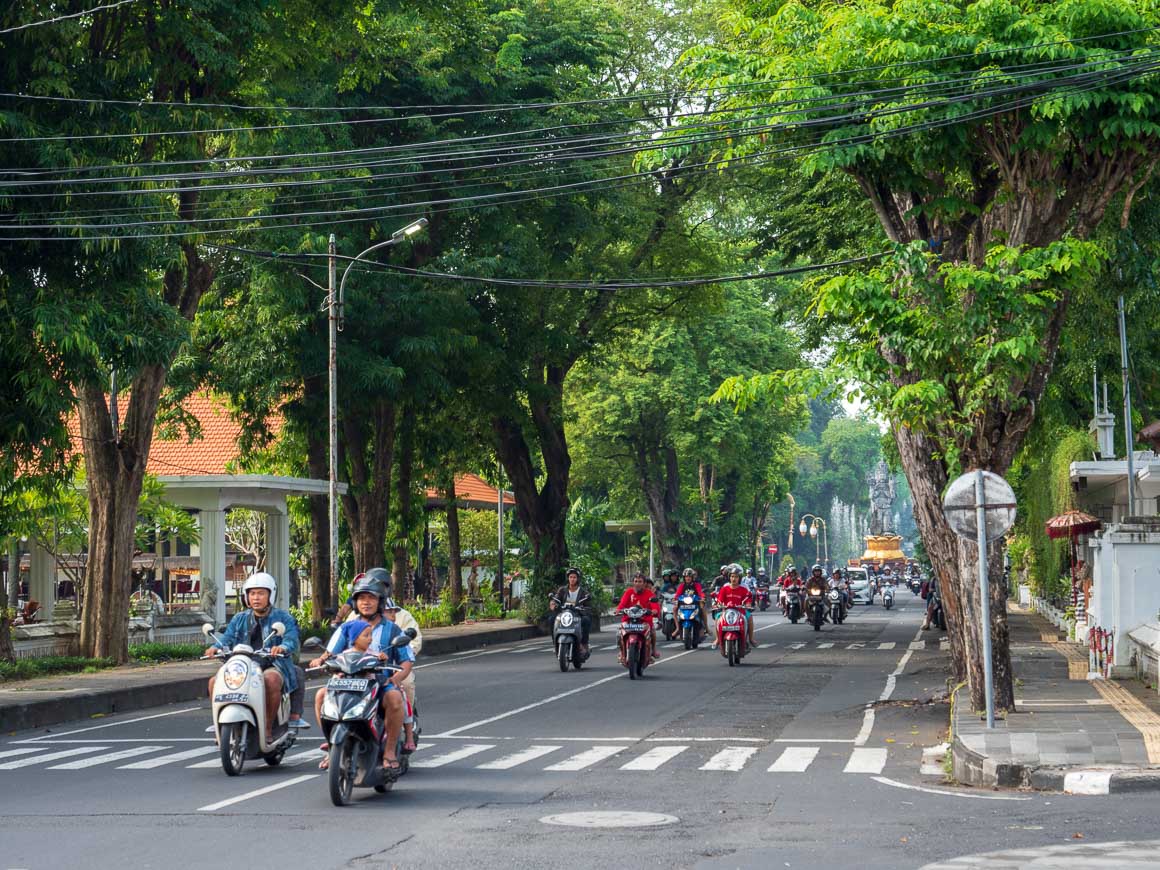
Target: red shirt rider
{"type": "Point", "coordinates": [693, 586]}
{"type": "Point", "coordinates": [734, 596]}
{"type": "Point", "coordinates": [642, 598]}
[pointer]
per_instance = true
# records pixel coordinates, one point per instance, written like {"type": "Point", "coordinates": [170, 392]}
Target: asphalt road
{"type": "Point", "coordinates": [807, 755]}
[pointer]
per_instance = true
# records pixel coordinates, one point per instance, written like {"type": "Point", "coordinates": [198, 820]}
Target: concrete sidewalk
{"type": "Point", "coordinates": [1067, 733]}
{"type": "Point", "coordinates": [51, 700]}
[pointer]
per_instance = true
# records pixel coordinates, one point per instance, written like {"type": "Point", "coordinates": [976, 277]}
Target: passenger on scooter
{"type": "Point", "coordinates": [788, 580]}
{"type": "Point", "coordinates": [669, 581]}
{"type": "Point", "coordinates": [690, 585]}
{"type": "Point", "coordinates": [750, 582]}
{"type": "Point", "coordinates": [735, 595]}
{"type": "Point", "coordinates": [252, 626]}
{"type": "Point", "coordinates": [837, 582]}
{"type": "Point", "coordinates": [574, 592]}
{"type": "Point", "coordinates": [392, 611]}
{"type": "Point", "coordinates": [638, 595]}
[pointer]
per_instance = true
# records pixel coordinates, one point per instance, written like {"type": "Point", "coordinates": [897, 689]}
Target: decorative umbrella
{"type": "Point", "coordinates": [1071, 524]}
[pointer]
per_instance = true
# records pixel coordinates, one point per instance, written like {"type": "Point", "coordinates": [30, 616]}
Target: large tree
{"type": "Point", "coordinates": [989, 139]}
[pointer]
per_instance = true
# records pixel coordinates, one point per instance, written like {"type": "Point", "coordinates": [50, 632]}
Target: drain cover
{"type": "Point", "coordinates": [609, 819]}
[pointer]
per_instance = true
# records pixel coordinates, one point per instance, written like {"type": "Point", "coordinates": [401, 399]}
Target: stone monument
{"type": "Point", "coordinates": [883, 547]}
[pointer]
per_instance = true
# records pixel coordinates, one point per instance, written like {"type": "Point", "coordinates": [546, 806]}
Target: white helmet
{"type": "Point", "coordinates": [260, 580]}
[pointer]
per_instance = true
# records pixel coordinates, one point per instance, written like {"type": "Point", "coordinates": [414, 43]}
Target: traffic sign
{"type": "Point", "coordinates": [772, 548]}
{"type": "Point", "coordinates": [960, 505]}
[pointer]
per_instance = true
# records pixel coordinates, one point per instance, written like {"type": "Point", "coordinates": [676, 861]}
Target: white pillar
{"type": "Point", "coordinates": [41, 577]}
{"type": "Point", "coordinates": [278, 554]}
{"type": "Point", "coordinates": [212, 547]}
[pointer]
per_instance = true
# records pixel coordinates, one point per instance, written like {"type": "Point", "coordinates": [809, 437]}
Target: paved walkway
{"type": "Point", "coordinates": [49, 700]}
{"type": "Point", "coordinates": [1067, 732]}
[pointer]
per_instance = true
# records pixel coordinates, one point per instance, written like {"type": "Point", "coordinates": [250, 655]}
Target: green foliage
{"type": "Point", "coordinates": [434, 614]}
{"type": "Point", "coordinates": [165, 652]}
{"type": "Point", "coordinates": [28, 669]}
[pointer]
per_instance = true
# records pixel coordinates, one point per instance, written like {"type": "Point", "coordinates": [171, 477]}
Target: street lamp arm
{"type": "Point", "coordinates": [393, 240]}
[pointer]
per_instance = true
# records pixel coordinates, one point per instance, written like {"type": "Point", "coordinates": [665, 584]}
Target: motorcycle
{"type": "Point", "coordinates": [692, 631]}
{"type": "Point", "coordinates": [816, 605]}
{"type": "Point", "coordinates": [888, 596]}
{"type": "Point", "coordinates": [915, 584]}
{"type": "Point", "coordinates": [938, 617]}
{"type": "Point", "coordinates": [763, 598]}
{"type": "Point", "coordinates": [793, 603]}
{"type": "Point", "coordinates": [834, 602]}
{"type": "Point", "coordinates": [732, 633]}
{"type": "Point", "coordinates": [669, 614]}
{"type": "Point", "coordinates": [567, 633]}
{"type": "Point", "coordinates": [633, 640]}
{"type": "Point", "coordinates": [239, 706]}
{"type": "Point", "coordinates": [352, 722]}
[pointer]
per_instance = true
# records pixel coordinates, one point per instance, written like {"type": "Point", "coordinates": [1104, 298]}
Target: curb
{"type": "Point", "coordinates": [972, 768]}
{"type": "Point", "coordinates": [44, 712]}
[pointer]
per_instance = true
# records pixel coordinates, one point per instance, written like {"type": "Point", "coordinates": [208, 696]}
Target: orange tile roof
{"type": "Point", "coordinates": [215, 450]}
{"type": "Point", "coordinates": [473, 490]}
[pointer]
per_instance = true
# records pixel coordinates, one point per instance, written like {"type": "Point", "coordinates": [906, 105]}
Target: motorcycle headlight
{"type": "Point", "coordinates": [360, 710]}
{"type": "Point", "coordinates": [234, 673]}
{"type": "Point", "coordinates": [815, 590]}
{"type": "Point", "coordinates": [566, 618]}
{"type": "Point", "coordinates": [329, 707]}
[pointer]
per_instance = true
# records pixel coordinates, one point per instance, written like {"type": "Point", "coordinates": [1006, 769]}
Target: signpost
{"type": "Point", "coordinates": [981, 505]}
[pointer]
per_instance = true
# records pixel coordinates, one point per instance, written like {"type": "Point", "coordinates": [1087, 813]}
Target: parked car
{"type": "Point", "coordinates": [861, 588]}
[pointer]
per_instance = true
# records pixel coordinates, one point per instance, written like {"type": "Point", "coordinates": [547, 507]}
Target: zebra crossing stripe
{"type": "Point", "coordinates": [887, 645]}
{"type": "Point", "coordinates": [517, 758]}
{"type": "Point", "coordinates": [455, 755]}
{"type": "Point", "coordinates": [302, 758]}
{"type": "Point", "coordinates": [856, 646]}
{"type": "Point", "coordinates": [654, 758]}
{"type": "Point", "coordinates": [866, 759]}
{"type": "Point", "coordinates": [161, 760]}
{"type": "Point", "coordinates": [8, 753]}
{"type": "Point", "coordinates": [917, 644]}
{"type": "Point", "coordinates": [121, 755]}
{"type": "Point", "coordinates": [796, 645]}
{"type": "Point", "coordinates": [586, 759]}
{"type": "Point", "coordinates": [825, 646]}
{"type": "Point", "coordinates": [730, 758]}
{"type": "Point", "coordinates": [52, 756]}
{"type": "Point", "coordinates": [795, 759]}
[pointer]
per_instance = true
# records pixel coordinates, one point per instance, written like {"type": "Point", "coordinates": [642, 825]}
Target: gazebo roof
{"type": "Point", "coordinates": [471, 491]}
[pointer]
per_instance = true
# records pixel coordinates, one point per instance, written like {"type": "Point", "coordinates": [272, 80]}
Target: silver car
{"type": "Point", "coordinates": [861, 589]}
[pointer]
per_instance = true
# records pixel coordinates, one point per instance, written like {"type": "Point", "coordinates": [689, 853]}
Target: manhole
{"type": "Point", "coordinates": [610, 819]}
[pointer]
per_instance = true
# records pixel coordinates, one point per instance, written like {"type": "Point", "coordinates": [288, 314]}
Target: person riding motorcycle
{"type": "Point", "coordinates": [721, 580]}
{"type": "Point", "coordinates": [252, 626]}
{"type": "Point", "coordinates": [749, 581]}
{"type": "Point", "coordinates": [690, 584]}
{"type": "Point", "coordinates": [788, 580]}
{"type": "Point", "coordinates": [573, 592]}
{"type": "Point", "coordinates": [669, 581]}
{"type": "Point", "coordinates": [639, 595]}
{"type": "Point", "coordinates": [380, 575]}
{"type": "Point", "coordinates": [735, 595]}
{"type": "Point", "coordinates": [838, 582]}
{"type": "Point", "coordinates": [818, 576]}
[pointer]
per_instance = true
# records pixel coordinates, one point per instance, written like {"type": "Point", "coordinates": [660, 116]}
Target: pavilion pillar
{"type": "Point", "coordinates": [212, 547]}
{"type": "Point", "coordinates": [278, 554]}
{"type": "Point", "coordinates": [41, 579]}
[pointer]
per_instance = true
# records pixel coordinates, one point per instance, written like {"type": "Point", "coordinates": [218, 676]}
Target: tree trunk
{"type": "Point", "coordinates": [456, 570]}
{"type": "Point", "coordinates": [401, 545]}
{"type": "Point", "coordinates": [321, 594]}
{"type": "Point", "coordinates": [661, 496]}
{"type": "Point", "coordinates": [369, 450]}
{"type": "Point", "coordinates": [7, 653]}
{"type": "Point", "coordinates": [968, 568]}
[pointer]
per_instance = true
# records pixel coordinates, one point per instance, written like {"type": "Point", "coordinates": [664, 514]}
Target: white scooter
{"type": "Point", "coordinates": [239, 706]}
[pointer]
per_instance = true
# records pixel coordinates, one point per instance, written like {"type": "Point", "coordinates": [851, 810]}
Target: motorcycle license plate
{"type": "Point", "coordinates": [229, 697]}
{"type": "Point", "coordinates": [348, 684]}
{"type": "Point", "coordinates": [633, 626]}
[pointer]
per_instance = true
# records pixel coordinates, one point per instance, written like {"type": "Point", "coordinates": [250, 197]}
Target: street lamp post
{"type": "Point", "coordinates": [813, 532]}
{"type": "Point", "coordinates": [334, 306]}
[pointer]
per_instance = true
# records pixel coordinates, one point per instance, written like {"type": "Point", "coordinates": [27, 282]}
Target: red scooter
{"type": "Point", "coordinates": [733, 633]}
{"type": "Point", "coordinates": [634, 640]}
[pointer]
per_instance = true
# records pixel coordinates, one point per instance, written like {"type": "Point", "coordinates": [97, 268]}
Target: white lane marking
{"type": "Point", "coordinates": [887, 645]}
{"type": "Point", "coordinates": [825, 646]}
{"type": "Point", "coordinates": [770, 625]}
{"type": "Point", "coordinates": [536, 648]}
{"type": "Point", "coordinates": [943, 792]}
{"type": "Point", "coordinates": [453, 659]}
{"type": "Point", "coordinates": [206, 765]}
{"type": "Point", "coordinates": [795, 759]}
{"type": "Point", "coordinates": [52, 756]}
{"type": "Point", "coordinates": [917, 644]}
{"type": "Point", "coordinates": [866, 759]}
{"type": "Point", "coordinates": [654, 758]}
{"type": "Point", "coordinates": [161, 760]}
{"type": "Point", "coordinates": [120, 755]}
{"type": "Point", "coordinates": [454, 755]}
{"type": "Point", "coordinates": [116, 724]}
{"type": "Point", "coordinates": [856, 646]}
{"type": "Point", "coordinates": [11, 752]}
{"type": "Point", "coordinates": [587, 758]}
{"type": "Point", "coordinates": [730, 758]}
{"type": "Point", "coordinates": [1087, 782]}
{"type": "Point", "coordinates": [891, 681]}
{"type": "Point", "coordinates": [41, 741]}
{"type": "Point", "coordinates": [473, 725]}
{"type": "Point", "coordinates": [229, 802]}
{"type": "Point", "coordinates": [302, 758]}
{"type": "Point", "coordinates": [814, 740]}
{"type": "Point", "coordinates": [517, 758]}
{"type": "Point", "coordinates": [706, 739]}
{"type": "Point", "coordinates": [612, 646]}
{"type": "Point", "coordinates": [796, 645]}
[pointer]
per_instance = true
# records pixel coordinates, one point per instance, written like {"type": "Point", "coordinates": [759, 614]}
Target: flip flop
{"type": "Point", "coordinates": [409, 747]}
{"type": "Point", "coordinates": [324, 764]}
{"type": "Point", "coordinates": [392, 764]}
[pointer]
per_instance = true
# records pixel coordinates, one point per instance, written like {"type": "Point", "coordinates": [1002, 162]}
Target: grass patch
{"type": "Point", "coordinates": [27, 669]}
{"type": "Point", "coordinates": [165, 652]}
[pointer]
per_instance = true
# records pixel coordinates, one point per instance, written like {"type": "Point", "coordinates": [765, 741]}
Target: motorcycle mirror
{"type": "Point", "coordinates": [279, 628]}
{"type": "Point", "coordinates": [312, 643]}
{"type": "Point", "coordinates": [207, 628]}
{"type": "Point", "coordinates": [401, 640]}
{"type": "Point", "coordinates": [411, 633]}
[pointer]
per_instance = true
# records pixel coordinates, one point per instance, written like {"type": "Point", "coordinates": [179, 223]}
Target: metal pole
{"type": "Point", "coordinates": [984, 594]}
{"type": "Point", "coordinates": [332, 415]}
{"type": "Point", "coordinates": [651, 562]}
{"type": "Point", "coordinates": [1129, 436]}
{"type": "Point", "coordinates": [503, 594]}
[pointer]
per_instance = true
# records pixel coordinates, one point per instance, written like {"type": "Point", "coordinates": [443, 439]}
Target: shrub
{"type": "Point", "coordinates": [165, 652]}
{"type": "Point", "coordinates": [27, 669]}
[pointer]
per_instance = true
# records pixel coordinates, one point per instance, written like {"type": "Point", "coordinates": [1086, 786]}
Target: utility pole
{"type": "Point", "coordinates": [332, 415]}
{"type": "Point", "coordinates": [1129, 435]}
{"type": "Point", "coordinates": [504, 594]}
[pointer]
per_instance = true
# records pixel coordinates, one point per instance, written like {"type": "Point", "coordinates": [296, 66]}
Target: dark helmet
{"type": "Point", "coordinates": [380, 574]}
{"type": "Point", "coordinates": [667, 571]}
{"type": "Point", "coordinates": [817, 568]}
{"type": "Point", "coordinates": [571, 569]}
{"type": "Point", "coordinates": [724, 569]}
{"type": "Point", "coordinates": [366, 583]}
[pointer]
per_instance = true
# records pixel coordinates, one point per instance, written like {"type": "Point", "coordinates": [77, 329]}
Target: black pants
{"type": "Point", "coordinates": [298, 696]}
{"type": "Point", "coordinates": [585, 627]}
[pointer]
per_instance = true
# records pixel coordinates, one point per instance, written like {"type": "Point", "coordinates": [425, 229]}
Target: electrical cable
{"type": "Point", "coordinates": [66, 17]}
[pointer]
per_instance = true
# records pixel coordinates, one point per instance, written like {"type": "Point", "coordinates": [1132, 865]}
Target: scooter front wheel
{"type": "Point", "coordinates": [564, 656]}
{"type": "Point", "coordinates": [632, 657]}
{"type": "Point", "coordinates": [233, 739]}
{"type": "Point", "coordinates": [342, 772]}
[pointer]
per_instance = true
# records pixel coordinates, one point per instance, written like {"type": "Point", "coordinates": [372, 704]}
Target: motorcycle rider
{"type": "Point", "coordinates": [252, 626]}
{"type": "Point", "coordinates": [788, 580]}
{"type": "Point", "coordinates": [839, 583]}
{"type": "Point", "coordinates": [669, 581]}
{"type": "Point", "coordinates": [690, 584]}
{"type": "Point", "coordinates": [927, 593]}
{"type": "Point", "coordinates": [818, 577]}
{"type": "Point", "coordinates": [735, 595]}
{"type": "Point", "coordinates": [574, 592]}
{"type": "Point", "coordinates": [721, 580]}
{"type": "Point", "coordinates": [369, 598]}
{"type": "Point", "coordinates": [638, 595]}
{"type": "Point", "coordinates": [750, 582]}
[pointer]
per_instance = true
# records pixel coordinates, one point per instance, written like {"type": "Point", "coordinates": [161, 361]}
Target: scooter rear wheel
{"type": "Point", "coordinates": [233, 739]}
{"type": "Point", "coordinates": [341, 774]}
